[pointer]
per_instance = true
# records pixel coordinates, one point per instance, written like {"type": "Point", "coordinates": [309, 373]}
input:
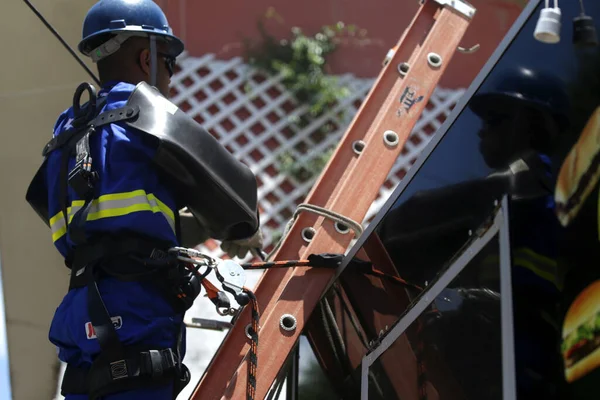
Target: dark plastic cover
{"type": "Point", "coordinates": [219, 190]}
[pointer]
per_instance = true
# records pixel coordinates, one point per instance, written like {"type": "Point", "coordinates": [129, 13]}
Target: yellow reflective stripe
{"type": "Point", "coordinates": [57, 234]}
{"type": "Point", "coordinates": [57, 223]}
{"type": "Point", "coordinates": [113, 205]}
{"type": "Point", "coordinates": [542, 266]}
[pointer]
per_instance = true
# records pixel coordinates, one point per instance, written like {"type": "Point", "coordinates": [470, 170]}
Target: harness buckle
{"type": "Point", "coordinates": [157, 363]}
{"type": "Point", "coordinates": [118, 370]}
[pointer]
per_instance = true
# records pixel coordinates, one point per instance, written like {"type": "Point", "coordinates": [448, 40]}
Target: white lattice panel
{"type": "Point", "coordinates": [252, 115]}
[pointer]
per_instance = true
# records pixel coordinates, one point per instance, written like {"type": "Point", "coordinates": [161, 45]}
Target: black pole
{"type": "Point", "coordinates": [57, 35]}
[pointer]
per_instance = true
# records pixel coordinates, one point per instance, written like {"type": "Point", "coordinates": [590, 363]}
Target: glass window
{"type": "Point", "coordinates": [453, 350]}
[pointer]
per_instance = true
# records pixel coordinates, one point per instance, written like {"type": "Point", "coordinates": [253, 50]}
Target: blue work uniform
{"type": "Point", "coordinates": [537, 286]}
{"type": "Point", "coordinates": [129, 198]}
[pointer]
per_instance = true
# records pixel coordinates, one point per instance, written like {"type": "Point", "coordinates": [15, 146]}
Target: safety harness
{"type": "Point", "coordinates": [127, 257]}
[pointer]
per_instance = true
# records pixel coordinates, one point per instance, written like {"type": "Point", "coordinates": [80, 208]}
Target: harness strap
{"type": "Point", "coordinates": [105, 118]}
{"type": "Point", "coordinates": [111, 349]}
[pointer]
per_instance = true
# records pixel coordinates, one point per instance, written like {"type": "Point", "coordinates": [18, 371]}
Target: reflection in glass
{"type": "Point", "coordinates": [521, 112]}
{"type": "Point", "coordinates": [453, 350]}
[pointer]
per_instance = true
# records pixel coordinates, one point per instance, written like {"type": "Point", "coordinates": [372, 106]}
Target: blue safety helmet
{"type": "Point", "coordinates": [520, 86]}
{"type": "Point", "coordinates": [110, 19]}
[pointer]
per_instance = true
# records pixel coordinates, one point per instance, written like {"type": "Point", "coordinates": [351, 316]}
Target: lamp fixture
{"type": "Point", "coordinates": [584, 30]}
{"type": "Point", "coordinates": [548, 26]}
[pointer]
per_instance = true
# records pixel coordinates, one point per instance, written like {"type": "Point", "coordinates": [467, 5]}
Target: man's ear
{"type": "Point", "coordinates": [144, 61]}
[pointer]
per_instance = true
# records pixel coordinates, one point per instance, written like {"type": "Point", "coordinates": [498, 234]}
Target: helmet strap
{"type": "Point", "coordinates": [153, 61]}
{"type": "Point", "coordinates": [109, 47]}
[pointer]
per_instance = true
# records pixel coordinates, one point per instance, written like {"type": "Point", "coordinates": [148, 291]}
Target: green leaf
{"type": "Point", "coordinates": [301, 61]}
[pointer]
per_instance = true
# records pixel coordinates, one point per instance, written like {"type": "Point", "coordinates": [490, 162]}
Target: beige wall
{"type": "Point", "coordinates": [37, 80]}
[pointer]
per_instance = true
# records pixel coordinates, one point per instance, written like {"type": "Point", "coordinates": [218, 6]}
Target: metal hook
{"type": "Point", "coordinates": [194, 256]}
{"type": "Point", "coordinates": [85, 113]}
{"type": "Point", "coordinates": [470, 50]}
{"type": "Point", "coordinates": [224, 312]}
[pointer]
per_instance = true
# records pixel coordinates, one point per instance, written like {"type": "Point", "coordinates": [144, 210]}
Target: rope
{"type": "Point", "coordinates": [253, 356]}
{"type": "Point", "coordinates": [420, 348]}
{"type": "Point", "coordinates": [353, 320]}
{"type": "Point", "coordinates": [394, 278]}
{"type": "Point", "coordinates": [323, 212]}
{"type": "Point", "coordinates": [276, 264]}
{"type": "Point", "coordinates": [325, 260]}
{"type": "Point", "coordinates": [335, 333]}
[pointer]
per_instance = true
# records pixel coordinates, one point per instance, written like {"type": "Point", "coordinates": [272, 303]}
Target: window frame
{"type": "Point", "coordinates": [500, 230]}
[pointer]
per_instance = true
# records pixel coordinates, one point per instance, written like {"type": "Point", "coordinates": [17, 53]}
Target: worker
{"type": "Point", "coordinates": [116, 173]}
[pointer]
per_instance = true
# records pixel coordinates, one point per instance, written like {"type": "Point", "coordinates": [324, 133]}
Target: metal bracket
{"type": "Point", "coordinates": [194, 256]}
{"type": "Point", "coordinates": [469, 50]}
{"type": "Point", "coordinates": [461, 6]}
{"type": "Point", "coordinates": [232, 277]}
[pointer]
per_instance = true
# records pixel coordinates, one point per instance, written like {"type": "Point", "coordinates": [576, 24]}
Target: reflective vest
{"type": "Point", "coordinates": [129, 195]}
{"type": "Point", "coordinates": [534, 242]}
{"type": "Point", "coordinates": [535, 233]}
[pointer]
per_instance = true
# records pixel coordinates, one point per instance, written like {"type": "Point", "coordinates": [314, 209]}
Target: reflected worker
{"type": "Point", "coordinates": [524, 113]}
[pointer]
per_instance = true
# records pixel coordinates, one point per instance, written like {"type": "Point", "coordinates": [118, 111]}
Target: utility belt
{"type": "Point", "coordinates": [117, 367]}
{"type": "Point", "coordinates": [146, 369]}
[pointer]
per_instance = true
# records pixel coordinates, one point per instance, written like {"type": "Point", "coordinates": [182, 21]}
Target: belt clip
{"type": "Point", "coordinates": [118, 370]}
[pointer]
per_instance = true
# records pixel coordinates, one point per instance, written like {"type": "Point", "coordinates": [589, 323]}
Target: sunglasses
{"type": "Point", "coordinates": [169, 62]}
